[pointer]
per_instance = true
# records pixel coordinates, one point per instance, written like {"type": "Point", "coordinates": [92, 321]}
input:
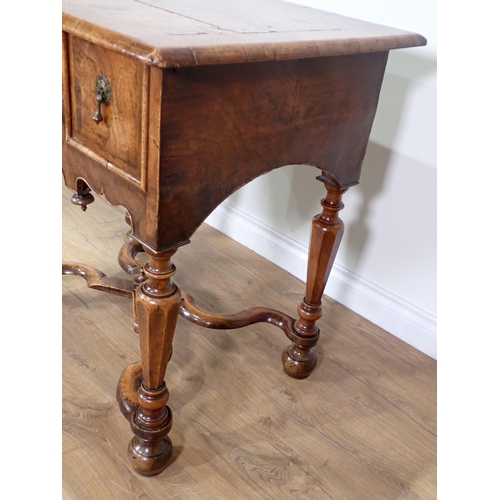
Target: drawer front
{"type": "Point", "coordinates": [121, 137]}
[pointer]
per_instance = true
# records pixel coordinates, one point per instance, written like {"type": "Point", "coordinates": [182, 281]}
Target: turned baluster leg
{"type": "Point", "coordinates": [157, 303]}
{"type": "Point", "coordinates": [129, 264]}
{"type": "Point", "coordinates": [128, 235]}
{"type": "Point", "coordinates": [299, 359]}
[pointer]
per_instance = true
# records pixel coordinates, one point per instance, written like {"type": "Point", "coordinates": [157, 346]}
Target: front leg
{"type": "Point", "coordinates": [299, 358]}
{"type": "Point", "coordinates": [157, 303]}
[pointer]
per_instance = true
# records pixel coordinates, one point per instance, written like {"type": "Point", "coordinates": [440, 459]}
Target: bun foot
{"type": "Point", "coordinates": [298, 362]}
{"type": "Point", "coordinates": [149, 459]}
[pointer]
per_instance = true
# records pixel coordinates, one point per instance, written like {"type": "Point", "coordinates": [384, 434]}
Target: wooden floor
{"type": "Point", "coordinates": [362, 426]}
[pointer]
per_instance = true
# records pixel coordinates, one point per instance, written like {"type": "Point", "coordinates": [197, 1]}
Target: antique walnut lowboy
{"type": "Point", "coordinates": [169, 106]}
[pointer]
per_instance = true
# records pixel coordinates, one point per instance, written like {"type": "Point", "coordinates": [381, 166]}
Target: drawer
{"type": "Point", "coordinates": [120, 138]}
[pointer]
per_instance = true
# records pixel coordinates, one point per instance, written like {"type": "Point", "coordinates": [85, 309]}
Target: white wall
{"type": "Point", "coordinates": [386, 266]}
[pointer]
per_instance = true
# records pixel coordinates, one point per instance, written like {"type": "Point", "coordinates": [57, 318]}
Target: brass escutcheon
{"type": "Point", "coordinates": [102, 96]}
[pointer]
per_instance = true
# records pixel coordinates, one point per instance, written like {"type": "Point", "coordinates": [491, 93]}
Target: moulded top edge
{"type": "Point", "coordinates": [174, 33]}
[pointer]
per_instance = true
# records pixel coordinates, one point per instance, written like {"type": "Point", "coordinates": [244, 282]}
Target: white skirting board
{"type": "Point", "coordinates": [392, 313]}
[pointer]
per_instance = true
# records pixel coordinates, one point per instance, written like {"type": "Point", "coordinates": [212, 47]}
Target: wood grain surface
{"type": "Point", "coordinates": [119, 136]}
{"type": "Point", "coordinates": [175, 33]}
{"type": "Point", "coordinates": [362, 426]}
{"type": "Point", "coordinates": [315, 112]}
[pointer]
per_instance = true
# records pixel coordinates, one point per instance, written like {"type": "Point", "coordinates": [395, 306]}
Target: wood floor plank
{"type": "Point", "coordinates": [362, 426]}
{"type": "Point", "coordinates": [343, 416]}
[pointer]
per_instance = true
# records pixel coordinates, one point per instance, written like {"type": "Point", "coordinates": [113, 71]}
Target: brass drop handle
{"type": "Point", "coordinates": [102, 96]}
